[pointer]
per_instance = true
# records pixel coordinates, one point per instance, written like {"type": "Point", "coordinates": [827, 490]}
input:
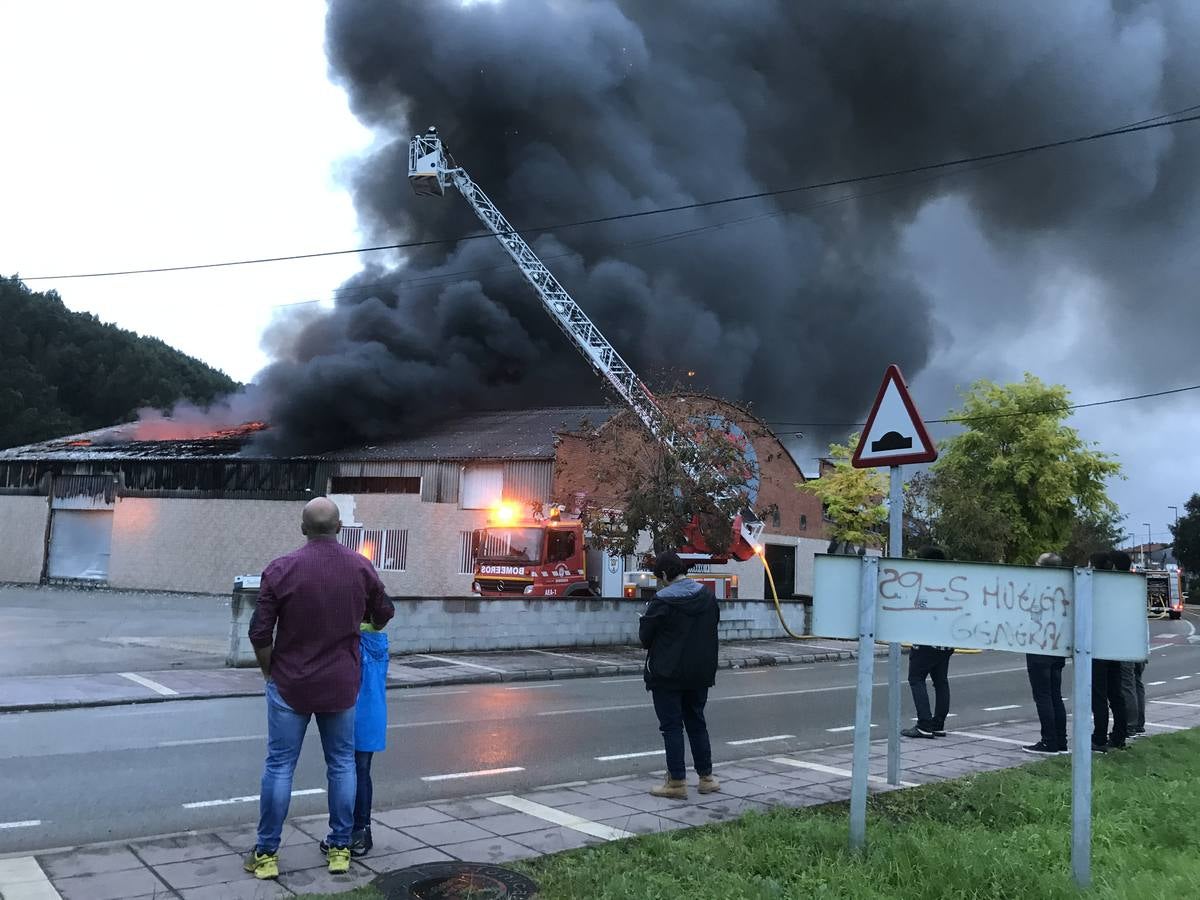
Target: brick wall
{"type": "Point", "coordinates": [23, 527]}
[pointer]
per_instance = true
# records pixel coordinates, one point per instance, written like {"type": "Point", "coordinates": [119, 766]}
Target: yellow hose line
{"type": "Point", "coordinates": [762, 555]}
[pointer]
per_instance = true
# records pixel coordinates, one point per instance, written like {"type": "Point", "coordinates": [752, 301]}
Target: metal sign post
{"type": "Point", "coordinates": [867, 596]}
{"type": "Point", "coordinates": [895, 549]}
{"type": "Point", "coordinates": [1081, 737]}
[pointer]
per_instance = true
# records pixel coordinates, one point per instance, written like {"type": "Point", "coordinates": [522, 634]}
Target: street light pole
{"type": "Point", "coordinates": [1146, 553]}
{"type": "Point", "coordinates": [1176, 510]}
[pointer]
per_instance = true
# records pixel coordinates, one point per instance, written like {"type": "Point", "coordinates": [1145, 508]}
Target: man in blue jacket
{"type": "Point", "coordinates": [679, 632]}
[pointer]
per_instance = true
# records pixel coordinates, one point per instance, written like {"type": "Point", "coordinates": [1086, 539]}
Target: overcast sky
{"type": "Point", "coordinates": [140, 134]}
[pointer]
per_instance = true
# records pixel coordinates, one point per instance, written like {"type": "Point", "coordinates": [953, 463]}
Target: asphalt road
{"type": "Point", "coordinates": [91, 775]}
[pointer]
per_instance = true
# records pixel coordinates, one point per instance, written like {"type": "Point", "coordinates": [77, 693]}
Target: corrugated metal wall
{"type": "Point", "coordinates": [524, 480]}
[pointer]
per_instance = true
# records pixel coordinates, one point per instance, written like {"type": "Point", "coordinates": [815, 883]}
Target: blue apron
{"type": "Point", "coordinates": [370, 714]}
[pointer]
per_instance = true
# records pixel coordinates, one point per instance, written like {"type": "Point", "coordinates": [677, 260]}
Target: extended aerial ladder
{"type": "Point", "coordinates": [431, 170]}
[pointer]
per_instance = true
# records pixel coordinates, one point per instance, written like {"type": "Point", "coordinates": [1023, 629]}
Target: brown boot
{"type": "Point", "coordinates": [673, 789]}
{"type": "Point", "coordinates": [709, 784]}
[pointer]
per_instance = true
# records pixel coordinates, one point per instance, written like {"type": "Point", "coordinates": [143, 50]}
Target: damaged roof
{"type": "Point", "coordinates": [512, 434]}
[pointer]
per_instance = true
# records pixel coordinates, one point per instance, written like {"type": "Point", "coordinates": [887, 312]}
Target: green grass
{"type": "Point", "coordinates": [996, 835]}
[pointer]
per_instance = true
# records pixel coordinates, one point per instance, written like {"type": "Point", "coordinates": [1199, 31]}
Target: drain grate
{"type": "Point", "coordinates": [423, 664]}
{"type": "Point", "coordinates": [456, 881]}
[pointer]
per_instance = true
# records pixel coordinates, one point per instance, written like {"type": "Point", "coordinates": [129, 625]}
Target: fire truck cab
{"type": "Point", "coordinates": [531, 557]}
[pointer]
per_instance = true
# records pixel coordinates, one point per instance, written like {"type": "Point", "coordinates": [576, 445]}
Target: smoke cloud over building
{"type": "Point", "coordinates": [565, 111]}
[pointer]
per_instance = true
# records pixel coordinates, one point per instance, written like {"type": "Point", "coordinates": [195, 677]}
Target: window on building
{"type": "Point", "coordinates": [386, 548]}
{"type": "Point", "coordinates": [466, 558]}
{"type": "Point", "coordinates": [803, 522]}
{"type": "Point", "coordinates": [482, 486]}
{"type": "Point", "coordinates": [375, 485]}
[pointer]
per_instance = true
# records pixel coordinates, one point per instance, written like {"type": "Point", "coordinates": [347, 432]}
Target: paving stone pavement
{"type": "Point", "coordinates": [503, 828]}
{"type": "Point", "coordinates": [39, 692]}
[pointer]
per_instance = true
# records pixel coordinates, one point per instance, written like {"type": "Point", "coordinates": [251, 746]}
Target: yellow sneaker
{"type": "Point", "coordinates": [339, 860]}
{"type": "Point", "coordinates": [262, 865]}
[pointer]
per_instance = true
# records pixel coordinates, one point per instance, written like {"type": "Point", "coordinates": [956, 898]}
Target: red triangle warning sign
{"type": "Point", "coordinates": [894, 434]}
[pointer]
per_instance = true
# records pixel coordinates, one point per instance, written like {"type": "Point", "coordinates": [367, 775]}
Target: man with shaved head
{"type": "Point", "coordinates": [305, 633]}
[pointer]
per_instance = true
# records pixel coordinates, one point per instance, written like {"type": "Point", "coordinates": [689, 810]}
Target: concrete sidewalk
{"type": "Point", "coordinates": [498, 828]}
{"type": "Point", "coordinates": [42, 692]}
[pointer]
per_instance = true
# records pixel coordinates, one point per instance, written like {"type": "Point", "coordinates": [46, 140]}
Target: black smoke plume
{"type": "Point", "coordinates": [567, 110]}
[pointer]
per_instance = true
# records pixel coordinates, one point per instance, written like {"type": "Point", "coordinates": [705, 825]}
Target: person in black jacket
{"type": "Point", "coordinates": [679, 631]}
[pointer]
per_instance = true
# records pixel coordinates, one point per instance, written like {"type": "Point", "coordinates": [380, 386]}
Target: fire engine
{"type": "Point", "coordinates": [1164, 590]}
{"type": "Point", "coordinates": [550, 558]}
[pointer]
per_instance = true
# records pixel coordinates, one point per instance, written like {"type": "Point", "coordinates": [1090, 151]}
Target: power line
{"type": "Point", "coordinates": [1005, 415]}
{"type": "Point", "coordinates": [1143, 125]}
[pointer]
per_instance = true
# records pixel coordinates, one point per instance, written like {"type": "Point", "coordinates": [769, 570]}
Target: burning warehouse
{"type": "Point", "coordinates": [143, 508]}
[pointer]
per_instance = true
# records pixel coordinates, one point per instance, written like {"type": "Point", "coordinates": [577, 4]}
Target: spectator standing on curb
{"type": "Point", "coordinates": [1133, 691]}
{"type": "Point", "coordinates": [305, 633]}
{"type": "Point", "coordinates": [679, 631]}
{"type": "Point", "coordinates": [1106, 688]}
{"type": "Point", "coordinates": [370, 731]}
{"type": "Point", "coordinates": [932, 663]}
{"type": "Point", "coordinates": [1045, 680]}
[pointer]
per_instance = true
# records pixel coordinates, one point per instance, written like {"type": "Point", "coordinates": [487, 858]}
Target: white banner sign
{"type": "Point", "coordinates": [1023, 609]}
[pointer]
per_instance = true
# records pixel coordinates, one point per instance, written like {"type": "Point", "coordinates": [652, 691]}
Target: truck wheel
{"type": "Point", "coordinates": [1175, 614]}
{"type": "Point", "coordinates": [579, 591]}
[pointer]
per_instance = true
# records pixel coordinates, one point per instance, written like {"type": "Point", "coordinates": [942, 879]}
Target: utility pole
{"type": "Point", "coordinates": [1175, 509]}
{"type": "Point", "coordinates": [1146, 552]}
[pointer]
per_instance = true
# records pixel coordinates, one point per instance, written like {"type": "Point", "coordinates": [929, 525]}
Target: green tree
{"type": "Point", "coordinates": [1091, 534]}
{"type": "Point", "coordinates": [1186, 536]}
{"type": "Point", "coordinates": [645, 489]}
{"type": "Point", "coordinates": [1015, 483]}
{"type": "Point", "coordinates": [852, 498]}
{"type": "Point", "coordinates": [63, 371]}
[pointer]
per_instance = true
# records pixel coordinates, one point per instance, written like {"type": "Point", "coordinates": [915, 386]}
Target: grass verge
{"type": "Point", "coordinates": [997, 835]}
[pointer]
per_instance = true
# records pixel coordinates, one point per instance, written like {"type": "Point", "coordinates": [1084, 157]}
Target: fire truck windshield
{"type": "Point", "coordinates": [511, 545]}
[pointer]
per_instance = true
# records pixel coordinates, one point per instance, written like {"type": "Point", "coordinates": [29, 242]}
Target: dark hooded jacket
{"type": "Point", "coordinates": [679, 632]}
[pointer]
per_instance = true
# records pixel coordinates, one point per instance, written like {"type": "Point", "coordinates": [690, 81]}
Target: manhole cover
{"type": "Point", "coordinates": [456, 881]}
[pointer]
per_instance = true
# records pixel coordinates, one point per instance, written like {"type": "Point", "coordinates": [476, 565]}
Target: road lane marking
{"type": "Point", "coordinates": [1182, 677]}
{"type": "Point", "coordinates": [1176, 703]}
{"type": "Point", "coordinates": [621, 680]}
{"type": "Point", "coordinates": [659, 752]}
{"type": "Point", "coordinates": [146, 682]}
{"type": "Point", "coordinates": [830, 770]}
{"type": "Point", "coordinates": [588, 659]}
{"type": "Point", "coordinates": [999, 708]}
{"type": "Point", "coordinates": [458, 662]}
{"type": "Point", "coordinates": [988, 737]}
{"type": "Point", "coordinates": [435, 722]}
{"type": "Point", "coordinates": [410, 694]}
{"type": "Point", "coordinates": [846, 728]}
{"type": "Point", "coordinates": [21, 878]}
{"type": "Point", "coordinates": [1154, 683]}
{"type": "Point", "coordinates": [205, 803]}
{"type": "Point", "coordinates": [237, 738]}
{"type": "Point", "coordinates": [28, 823]}
{"type": "Point", "coordinates": [761, 740]}
{"type": "Point", "coordinates": [1163, 725]}
{"type": "Point", "coordinates": [558, 817]}
{"type": "Point", "coordinates": [481, 773]}
{"type": "Point", "coordinates": [532, 687]}
{"type": "Point", "coordinates": [595, 709]}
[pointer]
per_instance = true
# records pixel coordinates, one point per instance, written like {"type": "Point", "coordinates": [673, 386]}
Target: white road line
{"type": "Point", "coordinates": [558, 817]}
{"type": "Point", "coordinates": [598, 662]}
{"type": "Point", "coordinates": [417, 695]}
{"type": "Point", "coordinates": [29, 823]}
{"type": "Point", "coordinates": [214, 740]}
{"type": "Point", "coordinates": [21, 878]}
{"type": "Point", "coordinates": [458, 662]}
{"type": "Point", "coordinates": [846, 728]}
{"type": "Point", "coordinates": [1160, 647]}
{"type": "Point", "coordinates": [532, 687]}
{"type": "Point", "coordinates": [1154, 683]}
{"type": "Point", "coordinates": [1182, 677]}
{"type": "Point", "coordinates": [146, 682]}
{"type": "Point", "coordinates": [988, 737]}
{"type": "Point", "coordinates": [761, 740]}
{"type": "Point", "coordinates": [594, 709]}
{"type": "Point", "coordinates": [621, 680]}
{"type": "Point", "coordinates": [1175, 703]}
{"type": "Point", "coordinates": [829, 770]}
{"type": "Point", "coordinates": [1162, 725]}
{"type": "Point", "coordinates": [659, 752]}
{"type": "Point", "coordinates": [479, 774]}
{"type": "Point", "coordinates": [758, 670]}
{"type": "Point", "coordinates": [435, 722]}
{"type": "Point", "coordinates": [206, 803]}
{"type": "Point", "coordinates": [999, 708]}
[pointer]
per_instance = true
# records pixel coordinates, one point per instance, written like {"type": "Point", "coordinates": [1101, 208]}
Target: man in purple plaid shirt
{"type": "Point", "coordinates": [305, 633]}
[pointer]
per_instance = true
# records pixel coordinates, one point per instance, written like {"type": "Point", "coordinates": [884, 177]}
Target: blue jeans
{"type": "Point", "coordinates": [362, 800]}
{"type": "Point", "coordinates": [285, 737]}
{"type": "Point", "coordinates": [676, 711]}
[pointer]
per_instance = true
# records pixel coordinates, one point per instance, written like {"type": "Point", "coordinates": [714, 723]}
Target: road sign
{"type": "Point", "coordinates": [894, 434]}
